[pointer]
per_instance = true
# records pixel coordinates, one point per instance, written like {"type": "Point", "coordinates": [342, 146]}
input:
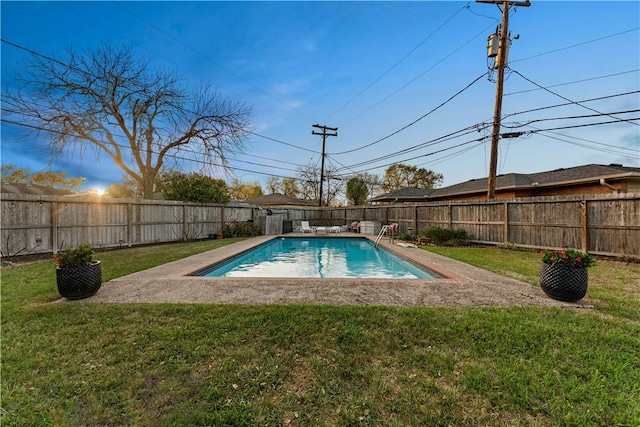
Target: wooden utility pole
{"type": "Point", "coordinates": [324, 140]}
{"type": "Point", "coordinates": [501, 64]}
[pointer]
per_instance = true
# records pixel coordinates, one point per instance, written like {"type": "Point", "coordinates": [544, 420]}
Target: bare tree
{"type": "Point", "coordinates": [309, 179]}
{"type": "Point", "coordinates": [140, 116]}
{"type": "Point", "coordinates": [374, 183]}
{"type": "Point", "coordinates": [273, 185]}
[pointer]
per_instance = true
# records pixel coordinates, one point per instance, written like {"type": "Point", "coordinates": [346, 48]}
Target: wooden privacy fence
{"type": "Point", "coordinates": [602, 225]}
{"type": "Point", "coordinates": [46, 224]}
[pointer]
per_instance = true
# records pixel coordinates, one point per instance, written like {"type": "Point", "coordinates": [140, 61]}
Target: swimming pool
{"type": "Point", "coordinates": [317, 257]}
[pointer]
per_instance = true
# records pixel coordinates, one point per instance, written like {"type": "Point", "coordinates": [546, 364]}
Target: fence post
{"type": "Point", "coordinates": [584, 234]}
{"type": "Point", "coordinates": [54, 227]}
{"type": "Point", "coordinates": [129, 225]}
{"type": "Point", "coordinates": [505, 233]}
{"type": "Point", "coordinates": [184, 223]}
{"type": "Point", "coordinates": [221, 219]}
{"type": "Point", "coordinates": [449, 220]}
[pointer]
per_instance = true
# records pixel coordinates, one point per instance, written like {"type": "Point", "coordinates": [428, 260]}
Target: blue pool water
{"type": "Point", "coordinates": [335, 257]}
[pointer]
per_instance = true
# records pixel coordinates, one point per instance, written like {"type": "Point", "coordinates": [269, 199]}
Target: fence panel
{"type": "Point", "coordinates": [26, 227]}
{"type": "Point", "coordinates": [545, 224]}
{"type": "Point", "coordinates": [608, 225]}
{"type": "Point", "coordinates": [404, 216]}
{"type": "Point", "coordinates": [483, 222]}
{"type": "Point", "coordinates": [613, 224]}
{"type": "Point", "coordinates": [433, 216]}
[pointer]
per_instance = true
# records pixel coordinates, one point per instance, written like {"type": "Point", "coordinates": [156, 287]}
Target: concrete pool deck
{"type": "Point", "coordinates": [465, 285]}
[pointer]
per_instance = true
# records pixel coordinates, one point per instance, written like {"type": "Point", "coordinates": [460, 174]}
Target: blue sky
{"type": "Point", "coordinates": [369, 69]}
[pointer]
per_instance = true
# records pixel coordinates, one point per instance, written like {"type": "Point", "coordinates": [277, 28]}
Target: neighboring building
{"type": "Point", "coordinates": [404, 195]}
{"type": "Point", "coordinates": [279, 200]}
{"type": "Point", "coordinates": [587, 179]}
{"type": "Point", "coordinates": [32, 189]}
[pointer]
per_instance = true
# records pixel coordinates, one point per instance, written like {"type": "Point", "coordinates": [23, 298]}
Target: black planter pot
{"type": "Point", "coordinates": [79, 282]}
{"type": "Point", "coordinates": [564, 283]}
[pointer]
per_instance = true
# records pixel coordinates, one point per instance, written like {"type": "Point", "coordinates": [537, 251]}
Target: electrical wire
{"type": "Point", "coordinates": [635, 150]}
{"type": "Point", "coordinates": [172, 156]}
{"type": "Point", "coordinates": [565, 98]}
{"type": "Point", "coordinates": [418, 76]}
{"type": "Point", "coordinates": [586, 125]}
{"type": "Point", "coordinates": [571, 103]}
{"type": "Point", "coordinates": [120, 4]}
{"type": "Point", "coordinates": [576, 81]}
{"type": "Point", "coordinates": [450, 136]}
{"type": "Point", "coordinates": [519, 125]}
{"type": "Point", "coordinates": [575, 45]}
{"type": "Point", "coordinates": [423, 155]}
{"type": "Point", "coordinates": [48, 58]}
{"type": "Point", "coordinates": [398, 62]}
{"type": "Point", "coordinates": [636, 156]}
{"type": "Point", "coordinates": [284, 143]}
{"type": "Point", "coordinates": [415, 121]}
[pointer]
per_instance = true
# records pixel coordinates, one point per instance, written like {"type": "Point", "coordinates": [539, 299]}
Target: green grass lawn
{"type": "Point", "coordinates": [85, 364]}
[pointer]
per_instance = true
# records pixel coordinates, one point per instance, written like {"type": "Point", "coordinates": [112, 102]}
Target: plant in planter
{"type": "Point", "coordinates": [77, 274]}
{"type": "Point", "coordinates": [564, 273]}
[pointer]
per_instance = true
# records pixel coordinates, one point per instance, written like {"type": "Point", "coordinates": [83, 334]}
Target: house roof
{"type": "Point", "coordinates": [514, 181]}
{"type": "Point", "coordinates": [277, 199]}
{"type": "Point", "coordinates": [32, 189]}
{"type": "Point", "coordinates": [557, 177]}
{"type": "Point", "coordinates": [406, 194]}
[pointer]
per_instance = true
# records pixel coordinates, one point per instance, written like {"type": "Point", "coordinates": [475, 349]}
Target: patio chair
{"type": "Point", "coordinates": [304, 227]}
{"type": "Point", "coordinates": [335, 229]}
{"type": "Point", "coordinates": [355, 227]}
{"type": "Point", "coordinates": [321, 230]}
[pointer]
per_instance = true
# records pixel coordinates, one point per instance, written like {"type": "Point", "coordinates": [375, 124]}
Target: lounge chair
{"type": "Point", "coordinates": [321, 230]}
{"type": "Point", "coordinates": [355, 227]}
{"type": "Point", "coordinates": [304, 227]}
{"type": "Point", "coordinates": [335, 229]}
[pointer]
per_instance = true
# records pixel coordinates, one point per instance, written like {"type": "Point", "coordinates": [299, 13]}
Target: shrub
{"type": "Point", "coordinates": [567, 258]}
{"type": "Point", "coordinates": [446, 237]}
{"type": "Point", "coordinates": [75, 257]}
{"type": "Point", "coordinates": [240, 229]}
{"type": "Point", "coordinates": [404, 236]}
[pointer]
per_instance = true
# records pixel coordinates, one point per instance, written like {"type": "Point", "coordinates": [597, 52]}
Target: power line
{"type": "Point", "coordinates": [565, 98]}
{"type": "Point", "coordinates": [576, 81]}
{"type": "Point", "coordinates": [399, 61]}
{"type": "Point", "coordinates": [586, 125]}
{"type": "Point", "coordinates": [51, 59]}
{"type": "Point", "coordinates": [173, 156]}
{"type": "Point", "coordinates": [519, 125]}
{"type": "Point", "coordinates": [453, 135]}
{"type": "Point", "coordinates": [415, 121]}
{"type": "Point", "coordinates": [424, 155]}
{"type": "Point", "coordinates": [211, 60]}
{"type": "Point", "coordinates": [418, 76]}
{"type": "Point", "coordinates": [616, 147]}
{"type": "Point", "coordinates": [572, 103]}
{"type": "Point", "coordinates": [575, 45]}
{"type": "Point", "coordinates": [284, 143]}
